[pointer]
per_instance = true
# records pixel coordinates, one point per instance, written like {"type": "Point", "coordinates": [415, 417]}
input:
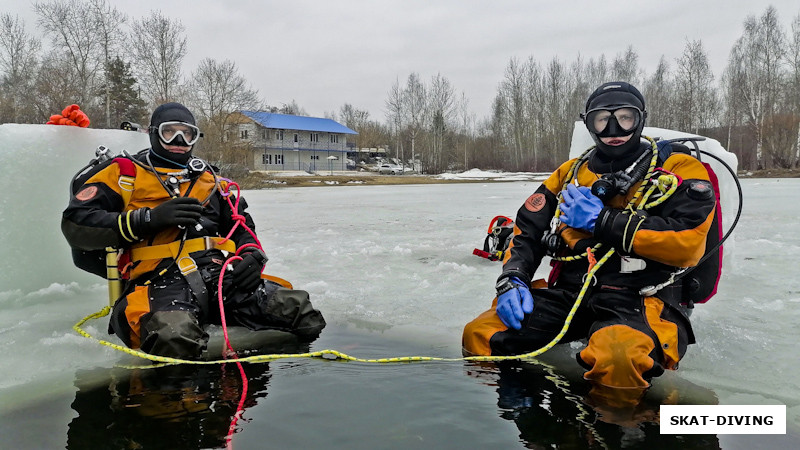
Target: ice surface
{"type": "Point", "coordinates": [385, 259]}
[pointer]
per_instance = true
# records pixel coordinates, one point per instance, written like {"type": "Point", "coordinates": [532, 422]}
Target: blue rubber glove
{"type": "Point", "coordinates": [580, 208]}
{"type": "Point", "coordinates": [514, 304]}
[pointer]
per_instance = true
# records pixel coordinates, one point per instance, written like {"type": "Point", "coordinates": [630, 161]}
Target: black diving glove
{"type": "Point", "coordinates": [247, 272]}
{"type": "Point", "coordinates": [177, 212]}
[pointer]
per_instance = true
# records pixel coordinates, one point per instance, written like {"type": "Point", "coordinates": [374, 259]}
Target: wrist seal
{"type": "Point", "coordinates": [504, 285]}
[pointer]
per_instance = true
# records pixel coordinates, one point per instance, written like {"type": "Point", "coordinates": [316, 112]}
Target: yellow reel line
{"type": "Point", "coordinates": [335, 354]}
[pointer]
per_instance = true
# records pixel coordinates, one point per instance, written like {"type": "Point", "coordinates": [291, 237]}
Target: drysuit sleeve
{"type": "Point", "coordinates": [525, 252]}
{"type": "Point", "coordinates": [673, 233]}
{"type": "Point", "coordinates": [91, 220]}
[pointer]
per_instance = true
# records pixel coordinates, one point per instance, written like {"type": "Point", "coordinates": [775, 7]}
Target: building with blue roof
{"type": "Point", "coordinates": [287, 142]}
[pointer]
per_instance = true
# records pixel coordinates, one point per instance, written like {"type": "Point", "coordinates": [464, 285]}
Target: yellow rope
{"type": "Point", "coordinates": [334, 354]}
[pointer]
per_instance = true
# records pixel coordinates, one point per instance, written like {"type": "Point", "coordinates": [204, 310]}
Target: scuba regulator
{"type": "Point", "coordinates": [552, 240]}
{"type": "Point", "coordinates": [607, 187]}
{"type": "Point", "coordinates": [620, 182]}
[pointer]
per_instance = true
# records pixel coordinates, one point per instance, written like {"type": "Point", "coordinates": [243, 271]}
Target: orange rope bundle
{"type": "Point", "coordinates": [71, 115]}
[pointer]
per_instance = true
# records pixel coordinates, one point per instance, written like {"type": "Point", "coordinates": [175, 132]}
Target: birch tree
{"type": "Point", "coordinates": [467, 125]}
{"type": "Point", "coordinates": [414, 103]}
{"type": "Point", "coordinates": [694, 91]}
{"type": "Point", "coordinates": [625, 67]}
{"type": "Point", "coordinates": [394, 114]}
{"type": "Point", "coordinates": [756, 57]}
{"type": "Point", "coordinates": [657, 91]}
{"type": "Point", "coordinates": [441, 111]}
{"type": "Point", "coordinates": [793, 80]}
{"type": "Point", "coordinates": [510, 109]}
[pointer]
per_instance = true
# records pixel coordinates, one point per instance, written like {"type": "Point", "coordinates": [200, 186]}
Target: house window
{"type": "Point", "coordinates": [314, 137]}
{"type": "Point", "coordinates": [264, 134]}
{"type": "Point", "coordinates": [296, 137]}
{"type": "Point", "coordinates": [278, 159]}
{"type": "Point", "coordinates": [334, 139]}
{"type": "Point", "coordinates": [266, 159]}
{"type": "Point", "coordinates": [279, 135]}
{"type": "Point", "coordinates": [244, 134]}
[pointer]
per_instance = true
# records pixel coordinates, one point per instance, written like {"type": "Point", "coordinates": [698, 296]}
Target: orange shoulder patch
{"type": "Point", "coordinates": [535, 202]}
{"type": "Point", "coordinates": [86, 193]}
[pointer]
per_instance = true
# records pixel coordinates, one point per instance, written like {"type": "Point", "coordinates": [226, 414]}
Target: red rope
{"type": "Point", "coordinates": [238, 219]}
{"type": "Point", "coordinates": [231, 352]}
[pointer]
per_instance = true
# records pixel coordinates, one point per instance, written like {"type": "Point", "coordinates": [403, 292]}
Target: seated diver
{"type": "Point", "coordinates": [633, 335]}
{"type": "Point", "coordinates": [170, 220]}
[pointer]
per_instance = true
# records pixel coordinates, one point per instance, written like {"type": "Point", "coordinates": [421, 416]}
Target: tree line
{"type": "Point", "coordinates": [118, 68]}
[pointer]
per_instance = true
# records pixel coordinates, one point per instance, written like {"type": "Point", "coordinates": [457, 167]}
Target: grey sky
{"type": "Point", "coordinates": [325, 53]}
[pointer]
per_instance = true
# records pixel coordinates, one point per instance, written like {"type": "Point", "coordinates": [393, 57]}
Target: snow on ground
{"type": "Point", "coordinates": [478, 174]}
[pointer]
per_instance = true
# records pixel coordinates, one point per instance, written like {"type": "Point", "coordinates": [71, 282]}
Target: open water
{"type": "Point", "coordinates": [392, 269]}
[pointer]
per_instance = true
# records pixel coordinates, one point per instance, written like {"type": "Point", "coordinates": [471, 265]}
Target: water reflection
{"type": "Point", "coordinates": [175, 406]}
{"type": "Point", "coordinates": [553, 409]}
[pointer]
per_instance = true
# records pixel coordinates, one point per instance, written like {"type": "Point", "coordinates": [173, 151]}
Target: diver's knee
{"type": "Point", "coordinates": [175, 334]}
{"type": "Point", "coordinates": [619, 356]}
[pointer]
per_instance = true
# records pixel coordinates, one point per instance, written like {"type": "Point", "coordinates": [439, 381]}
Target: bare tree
{"type": "Point", "coordinates": [18, 60]}
{"type": "Point", "coordinates": [598, 71]}
{"type": "Point", "coordinates": [158, 44]}
{"type": "Point", "coordinates": [625, 67]}
{"type": "Point", "coordinates": [467, 125]}
{"type": "Point", "coordinates": [695, 94]}
{"type": "Point", "coordinates": [72, 27]}
{"type": "Point", "coordinates": [756, 59]}
{"type": "Point", "coordinates": [109, 22]}
{"type": "Point", "coordinates": [657, 92]}
{"type": "Point", "coordinates": [292, 108]}
{"type": "Point", "coordinates": [441, 113]}
{"type": "Point", "coordinates": [414, 102]}
{"type": "Point", "coordinates": [793, 80]}
{"type": "Point", "coordinates": [510, 108]}
{"type": "Point", "coordinates": [355, 119]}
{"type": "Point", "coordinates": [216, 91]}
{"type": "Point", "coordinates": [53, 93]}
{"type": "Point", "coordinates": [395, 114]}
{"type": "Point", "coordinates": [556, 139]}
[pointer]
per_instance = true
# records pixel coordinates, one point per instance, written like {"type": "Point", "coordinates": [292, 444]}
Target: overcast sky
{"type": "Point", "coordinates": [326, 53]}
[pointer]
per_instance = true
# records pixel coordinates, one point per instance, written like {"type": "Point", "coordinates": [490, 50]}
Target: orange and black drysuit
{"type": "Point", "coordinates": [631, 338]}
{"type": "Point", "coordinates": [172, 277]}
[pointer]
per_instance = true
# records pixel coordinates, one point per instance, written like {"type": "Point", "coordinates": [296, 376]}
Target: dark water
{"type": "Point", "coordinates": [317, 403]}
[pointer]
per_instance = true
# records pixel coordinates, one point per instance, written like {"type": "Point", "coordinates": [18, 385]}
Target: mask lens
{"type": "Point", "coordinates": [598, 120]}
{"type": "Point", "coordinates": [167, 131]}
{"type": "Point", "coordinates": [627, 118]}
{"type": "Point", "coordinates": [624, 121]}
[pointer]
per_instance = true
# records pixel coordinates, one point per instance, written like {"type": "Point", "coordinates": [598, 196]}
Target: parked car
{"type": "Point", "coordinates": [390, 169]}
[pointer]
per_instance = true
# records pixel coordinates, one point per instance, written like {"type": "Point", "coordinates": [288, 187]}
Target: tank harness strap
{"type": "Point", "coordinates": [189, 246]}
{"type": "Point", "coordinates": [188, 268]}
{"type": "Point", "coordinates": [127, 175]}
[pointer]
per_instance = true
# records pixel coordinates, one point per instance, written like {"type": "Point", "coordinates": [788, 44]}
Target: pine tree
{"type": "Point", "coordinates": [126, 104]}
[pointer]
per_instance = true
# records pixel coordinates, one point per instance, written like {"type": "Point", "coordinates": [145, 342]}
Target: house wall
{"type": "Point", "coordinates": [306, 160]}
{"type": "Point", "coordinates": [297, 150]}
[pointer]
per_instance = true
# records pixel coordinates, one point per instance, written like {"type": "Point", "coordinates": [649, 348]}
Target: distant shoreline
{"type": "Point", "coordinates": [269, 181]}
{"type": "Point", "coordinates": [257, 180]}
